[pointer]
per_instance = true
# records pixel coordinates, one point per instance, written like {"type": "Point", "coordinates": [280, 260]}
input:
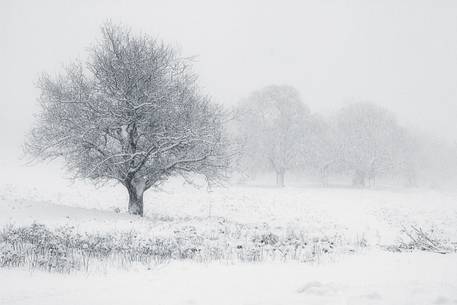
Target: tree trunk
{"type": "Point", "coordinates": [324, 175]}
{"type": "Point", "coordinates": [136, 190]}
{"type": "Point", "coordinates": [371, 180]}
{"type": "Point", "coordinates": [280, 178]}
{"type": "Point", "coordinates": [359, 178]}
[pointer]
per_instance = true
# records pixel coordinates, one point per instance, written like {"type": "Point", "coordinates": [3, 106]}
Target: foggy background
{"type": "Point", "coordinates": [401, 55]}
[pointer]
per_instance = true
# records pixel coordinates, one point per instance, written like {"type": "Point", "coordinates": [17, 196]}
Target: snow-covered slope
{"type": "Point", "coordinates": [377, 216]}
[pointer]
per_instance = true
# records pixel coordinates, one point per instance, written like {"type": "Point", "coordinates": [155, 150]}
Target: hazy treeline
{"type": "Point", "coordinates": [276, 132]}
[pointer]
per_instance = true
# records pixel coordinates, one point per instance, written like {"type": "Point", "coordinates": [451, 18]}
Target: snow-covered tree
{"type": "Point", "coordinates": [133, 113]}
{"type": "Point", "coordinates": [272, 124]}
{"type": "Point", "coordinates": [434, 160]}
{"type": "Point", "coordinates": [321, 150]}
{"type": "Point", "coordinates": [368, 138]}
{"type": "Point", "coordinates": [407, 161]}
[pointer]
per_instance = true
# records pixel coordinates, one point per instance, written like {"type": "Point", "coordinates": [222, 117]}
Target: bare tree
{"type": "Point", "coordinates": [368, 138]}
{"type": "Point", "coordinates": [273, 124]}
{"type": "Point", "coordinates": [320, 150]}
{"type": "Point", "coordinates": [133, 113]}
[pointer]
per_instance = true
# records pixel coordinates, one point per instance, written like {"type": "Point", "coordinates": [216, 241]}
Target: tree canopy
{"type": "Point", "coordinates": [273, 124]}
{"type": "Point", "coordinates": [132, 113]}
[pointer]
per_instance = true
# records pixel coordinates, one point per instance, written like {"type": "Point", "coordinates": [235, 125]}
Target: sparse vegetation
{"type": "Point", "coordinates": [418, 239]}
{"type": "Point", "coordinates": [65, 250]}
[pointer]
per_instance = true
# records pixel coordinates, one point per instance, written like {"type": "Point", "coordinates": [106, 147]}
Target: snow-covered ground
{"type": "Point", "coordinates": [375, 215]}
{"type": "Point", "coordinates": [365, 278]}
{"type": "Point", "coordinates": [369, 276]}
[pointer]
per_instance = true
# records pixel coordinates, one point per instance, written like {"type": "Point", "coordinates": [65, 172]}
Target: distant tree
{"type": "Point", "coordinates": [408, 152]}
{"type": "Point", "coordinates": [272, 122]}
{"type": "Point", "coordinates": [435, 161]}
{"type": "Point", "coordinates": [368, 138]}
{"type": "Point", "coordinates": [133, 114]}
{"type": "Point", "coordinates": [321, 150]}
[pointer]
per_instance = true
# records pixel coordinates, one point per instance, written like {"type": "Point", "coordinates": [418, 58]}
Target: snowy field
{"type": "Point", "coordinates": [375, 215]}
{"type": "Point", "coordinates": [368, 278]}
{"type": "Point", "coordinates": [366, 275]}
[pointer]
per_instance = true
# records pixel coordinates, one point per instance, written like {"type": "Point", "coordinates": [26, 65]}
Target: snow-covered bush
{"type": "Point", "coordinates": [418, 239]}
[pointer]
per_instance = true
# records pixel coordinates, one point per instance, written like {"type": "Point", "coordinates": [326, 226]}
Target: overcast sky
{"type": "Point", "coordinates": [401, 54]}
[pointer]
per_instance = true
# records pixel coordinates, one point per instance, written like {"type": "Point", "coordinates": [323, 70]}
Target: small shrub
{"type": "Point", "coordinates": [418, 239]}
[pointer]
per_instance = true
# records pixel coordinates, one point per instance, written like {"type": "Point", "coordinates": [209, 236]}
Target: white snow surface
{"type": "Point", "coordinates": [375, 215]}
{"type": "Point", "coordinates": [370, 276]}
{"type": "Point", "coordinates": [365, 278]}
